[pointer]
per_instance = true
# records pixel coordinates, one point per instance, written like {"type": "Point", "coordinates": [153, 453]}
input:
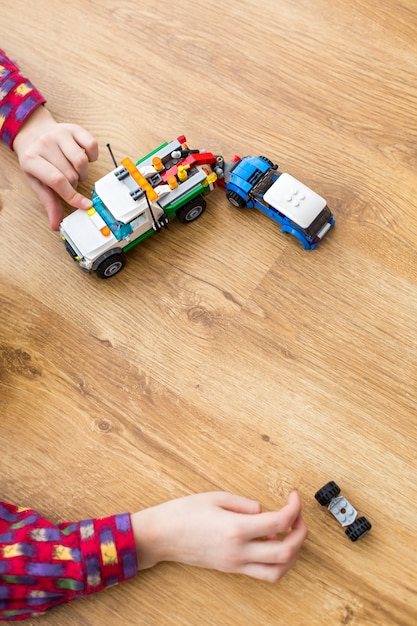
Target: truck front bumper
{"type": "Point", "coordinates": [81, 262]}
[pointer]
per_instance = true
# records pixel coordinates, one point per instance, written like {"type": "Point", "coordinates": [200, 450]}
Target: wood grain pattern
{"type": "Point", "coordinates": [224, 356]}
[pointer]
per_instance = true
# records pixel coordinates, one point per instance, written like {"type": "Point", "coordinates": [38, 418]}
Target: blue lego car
{"type": "Point", "coordinates": [255, 182]}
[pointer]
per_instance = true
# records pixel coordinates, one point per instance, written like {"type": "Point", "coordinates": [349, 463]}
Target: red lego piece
{"type": "Point", "coordinates": [200, 158]}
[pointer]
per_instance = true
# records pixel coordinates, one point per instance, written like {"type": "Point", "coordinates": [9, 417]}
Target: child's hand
{"type": "Point", "coordinates": [55, 159]}
{"type": "Point", "coordinates": [221, 531]}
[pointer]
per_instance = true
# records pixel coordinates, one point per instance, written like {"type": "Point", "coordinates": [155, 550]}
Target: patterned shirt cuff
{"type": "Point", "coordinates": [18, 99]}
{"type": "Point", "coordinates": [108, 551]}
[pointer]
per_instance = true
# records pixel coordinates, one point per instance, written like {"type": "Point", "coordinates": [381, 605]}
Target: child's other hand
{"type": "Point", "coordinates": [55, 159]}
{"type": "Point", "coordinates": [221, 531]}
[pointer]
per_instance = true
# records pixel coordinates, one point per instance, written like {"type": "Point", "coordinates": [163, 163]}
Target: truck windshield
{"type": "Point", "coordinates": [119, 229]}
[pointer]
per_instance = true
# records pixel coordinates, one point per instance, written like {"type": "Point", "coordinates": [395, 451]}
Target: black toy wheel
{"type": "Point", "coordinates": [358, 528]}
{"type": "Point", "coordinates": [192, 210]}
{"type": "Point", "coordinates": [235, 199]}
{"type": "Point", "coordinates": [111, 266]}
{"type": "Point", "coordinates": [326, 493]}
{"type": "Point", "coordinates": [270, 163]}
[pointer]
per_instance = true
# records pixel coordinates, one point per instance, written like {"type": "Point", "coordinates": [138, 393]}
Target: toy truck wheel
{"type": "Point", "coordinates": [111, 266]}
{"type": "Point", "coordinates": [326, 493]}
{"type": "Point", "coordinates": [235, 199]}
{"type": "Point", "coordinates": [192, 210]}
{"type": "Point", "coordinates": [358, 528]}
{"type": "Point", "coordinates": [264, 158]}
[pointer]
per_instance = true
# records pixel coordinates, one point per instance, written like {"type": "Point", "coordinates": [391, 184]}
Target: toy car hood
{"type": "Point", "coordinates": [295, 200]}
{"type": "Point", "coordinates": [83, 230]}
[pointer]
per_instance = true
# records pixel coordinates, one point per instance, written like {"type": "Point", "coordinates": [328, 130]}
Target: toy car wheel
{"type": "Point", "coordinates": [326, 493]}
{"type": "Point", "coordinates": [270, 163]}
{"type": "Point", "coordinates": [192, 210]}
{"type": "Point", "coordinates": [111, 266]}
{"type": "Point", "coordinates": [358, 528]}
{"type": "Point", "coordinates": [235, 199]}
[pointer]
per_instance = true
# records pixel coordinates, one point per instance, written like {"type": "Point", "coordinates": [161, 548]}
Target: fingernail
{"type": "Point", "coordinates": [86, 204]}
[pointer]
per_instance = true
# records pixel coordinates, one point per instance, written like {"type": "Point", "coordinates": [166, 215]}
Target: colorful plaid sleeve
{"type": "Point", "coordinates": [43, 565]}
{"type": "Point", "coordinates": [18, 99]}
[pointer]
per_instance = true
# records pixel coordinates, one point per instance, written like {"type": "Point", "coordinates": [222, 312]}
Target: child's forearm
{"type": "Point", "coordinates": [57, 563]}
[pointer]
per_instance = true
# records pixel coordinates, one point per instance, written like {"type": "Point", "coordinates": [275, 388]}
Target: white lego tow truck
{"type": "Point", "coordinates": [135, 200]}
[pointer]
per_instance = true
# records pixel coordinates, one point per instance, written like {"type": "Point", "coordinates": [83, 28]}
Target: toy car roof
{"type": "Point", "coordinates": [295, 200]}
{"type": "Point", "coordinates": [116, 196]}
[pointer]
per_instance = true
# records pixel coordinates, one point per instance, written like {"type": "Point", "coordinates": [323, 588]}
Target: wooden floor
{"type": "Point", "coordinates": [224, 356]}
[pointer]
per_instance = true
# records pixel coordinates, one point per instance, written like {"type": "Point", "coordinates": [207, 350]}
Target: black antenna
{"type": "Point", "coordinates": [157, 226]}
{"type": "Point", "coordinates": [112, 155]}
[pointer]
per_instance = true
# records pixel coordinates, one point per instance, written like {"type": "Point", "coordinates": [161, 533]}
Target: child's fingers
{"type": "Point", "coordinates": [69, 149]}
{"type": "Point", "coordinates": [54, 178]}
{"type": "Point", "coordinates": [278, 551]}
{"type": "Point", "coordinates": [50, 163]}
{"type": "Point", "coordinates": [268, 573]}
{"type": "Point", "coordinates": [236, 504]}
{"type": "Point", "coordinates": [274, 522]}
{"type": "Point", "coordinates": [75, 155]}
{"type": "Point", "coordinates": [85, 140]}
{"type": "Point", "coordinates": [50, 201]}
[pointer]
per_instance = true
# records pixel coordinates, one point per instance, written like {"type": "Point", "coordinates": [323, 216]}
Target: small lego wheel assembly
{"type": "Point", "coordinates": [343, 511]}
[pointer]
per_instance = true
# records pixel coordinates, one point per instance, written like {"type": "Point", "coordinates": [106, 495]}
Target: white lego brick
{"type": "Point", "coordinates": [295, 200]}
